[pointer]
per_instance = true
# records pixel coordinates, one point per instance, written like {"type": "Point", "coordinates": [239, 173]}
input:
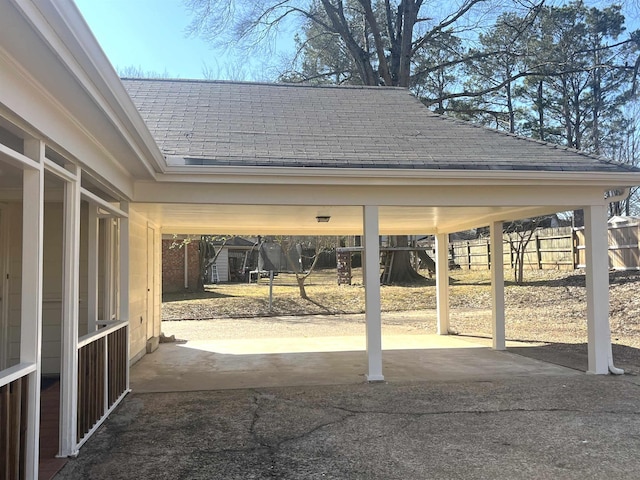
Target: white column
{"type": "Point", "coordinates": [93, 229]}
{"type": "Point", "coordinates": [372, 293]}
{"type": "Point", "coordinates": [597, 279]}
{"type": "Point", "coordinates": [31, 302]}
{"type": "Point", "coordinates": [442, 282]}
{"type": "Point", "coordinates": [70, 320]}
{"type": "Point", "coordinates": [123, 256]}
{"type": "Point", "coordinates": [497, 286]}
{"type": "Point", "coordinates": [110, 268]}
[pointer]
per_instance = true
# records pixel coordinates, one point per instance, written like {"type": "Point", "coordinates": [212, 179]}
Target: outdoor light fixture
{"type": "Point", "coordinates": [323, 218]}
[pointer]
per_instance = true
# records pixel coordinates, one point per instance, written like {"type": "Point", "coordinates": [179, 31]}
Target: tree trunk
{"type": "Point", "coordinates": [202, 262]}
{"type": "Point", "coordinates": [512, 113]}
{"type": "Point", "coordinates": [409, 17]}
{"type": "Point", "coordinates": [336, 16]}
{"type": "Point", "coordinates": [540, 101]}
{"type": "Point", "coordinates": [520, 278]}
{"type": "Point", "coordinates": [567, 114]}
{"type": "Point", "coordinates": [402, 272]}
{"type": "Point", "coordinates": [303, 292]}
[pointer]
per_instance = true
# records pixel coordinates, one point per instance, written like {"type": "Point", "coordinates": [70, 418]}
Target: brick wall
{"type": "Point", "coordinates": [173, 266]}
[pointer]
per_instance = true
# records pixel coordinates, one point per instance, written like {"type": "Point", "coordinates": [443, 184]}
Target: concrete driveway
{"type": "Point", "coordinates": [451, 408]}
{"type": "Point", "coordinates": [542, 427]}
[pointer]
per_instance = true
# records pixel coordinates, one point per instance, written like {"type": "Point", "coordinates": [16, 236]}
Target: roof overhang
{"type": "Point", "coordinates": [276, 200]}
{"type": "Point", "coordinates": [50, 53]}
{"type": "Point", "coordinates": [360, 176]}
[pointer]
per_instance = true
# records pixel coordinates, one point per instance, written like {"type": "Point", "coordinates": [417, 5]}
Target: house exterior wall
{"type": "Point", "coordinates": [222, 265]}
{"type": "Point", "coordinates": [144, 313]}
{"type": "Point", "coordinates": [173, 266]}
{"type": "Point", "coordinates": [52, 288]}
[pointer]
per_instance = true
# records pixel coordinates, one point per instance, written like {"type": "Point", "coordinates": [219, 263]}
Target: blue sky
{"type": "Point", "coordinates": [150, 35]}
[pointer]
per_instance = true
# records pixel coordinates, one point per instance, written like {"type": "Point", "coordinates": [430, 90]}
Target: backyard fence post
{"type": "Point", "coordinates": [574, 248]}
{"type": "Point", "coordinates": [270, 290]}
{"type": "Point", "coordinates": [488, 255]}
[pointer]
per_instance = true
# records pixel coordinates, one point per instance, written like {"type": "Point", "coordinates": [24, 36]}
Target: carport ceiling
{"type": "Point", "coordinates": [345, 220]}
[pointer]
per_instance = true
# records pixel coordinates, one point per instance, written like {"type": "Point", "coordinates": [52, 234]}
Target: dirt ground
{"type": "Point", "coordinates": [549, 309]}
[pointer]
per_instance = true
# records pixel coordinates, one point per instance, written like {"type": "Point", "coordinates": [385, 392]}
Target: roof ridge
{"type": "Point", "coordinates": [270, 84]}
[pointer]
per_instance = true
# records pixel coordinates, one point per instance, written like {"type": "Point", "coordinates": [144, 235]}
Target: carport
{"type": "Point", "coordinates": [254, 158]}
{"type": "Point", "coordinates": [121, 162]}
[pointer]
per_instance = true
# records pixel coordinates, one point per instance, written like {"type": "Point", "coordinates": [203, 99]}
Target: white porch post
{"type": "Point", "coordinates": [70, 319]}
{"type": "Point", "coordinates": [372, 293]}
{"type": "Point", "coordinates": [93, 229]}
{"type": "Point", "coordinates": [497, 286]}
{"type": "Point", "coordinates": [123, 258]}
{"type": "Point", "coordinates": [442, 282]}
{"type": "Point", "coordinates": [597, 279]}
{"type": "Point", "coordinates": [109, 299]}
{"type": "Point", "coordinates": [31, 303]}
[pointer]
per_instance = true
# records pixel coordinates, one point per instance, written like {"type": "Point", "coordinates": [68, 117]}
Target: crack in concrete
{"type": "Point", "coordinates": [480, 412]}
{"type": "Point", "coordinates": [313, 430]}
{"type": "Point", "coordinates": [272, 470]}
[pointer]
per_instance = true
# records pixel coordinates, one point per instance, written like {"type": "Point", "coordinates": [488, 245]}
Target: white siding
{"type": "Point", "coordinates": [52, 287]}
{"type": "Point", "coordinates": [222, 264]}
{"type": "Point", "coordinates": [139, 314]}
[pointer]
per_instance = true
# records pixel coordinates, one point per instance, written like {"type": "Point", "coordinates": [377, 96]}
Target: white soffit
{"type": "Point", "coordinates": [344, 220]}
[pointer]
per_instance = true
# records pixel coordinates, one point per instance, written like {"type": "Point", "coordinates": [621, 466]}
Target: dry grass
{"type": "Point", "coordinates": [549, 308]}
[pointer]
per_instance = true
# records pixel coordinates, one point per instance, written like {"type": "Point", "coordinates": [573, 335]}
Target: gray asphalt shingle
{"type": "Point", "coordinates": [252, 124]}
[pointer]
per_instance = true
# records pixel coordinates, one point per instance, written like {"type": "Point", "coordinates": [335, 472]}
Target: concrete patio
{"type": "Point", "coordinates": [210, 364]}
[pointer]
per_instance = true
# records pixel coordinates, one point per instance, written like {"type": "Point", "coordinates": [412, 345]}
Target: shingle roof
{"type": "Point", "coordinates": [252, 124]}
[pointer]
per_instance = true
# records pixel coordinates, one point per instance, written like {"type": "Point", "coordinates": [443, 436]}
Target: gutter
{"type": "Point", "coordinates": [612, 368]}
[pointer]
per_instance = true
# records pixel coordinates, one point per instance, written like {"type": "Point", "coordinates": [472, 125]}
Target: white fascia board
{"type": "Point", "coordinates": [89, 59]}
{"type": "Point", "coordinates": [388, 176]}
{"type": "Point", "coordinates": [415, 194]}
{"type": "Point", "coordinates": [28, 101]}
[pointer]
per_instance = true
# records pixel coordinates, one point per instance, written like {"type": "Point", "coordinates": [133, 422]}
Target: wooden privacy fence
{"type": "Point", "coordinates": [102, 376]}
{"type": "Point", "coordinates": [560, 248]}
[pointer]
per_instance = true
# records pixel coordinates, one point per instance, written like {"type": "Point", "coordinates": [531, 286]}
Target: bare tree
{"type": "Point", "coordinates": [207, 253]}
{"type": "Point", "coordinates": [381, 39]}
{"type": "Point", "coordinates": [131, 71]}
{"type": "Point", "coordinates": [294, 249]}
{"type": "Point", "coordinates": [520, 234]}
